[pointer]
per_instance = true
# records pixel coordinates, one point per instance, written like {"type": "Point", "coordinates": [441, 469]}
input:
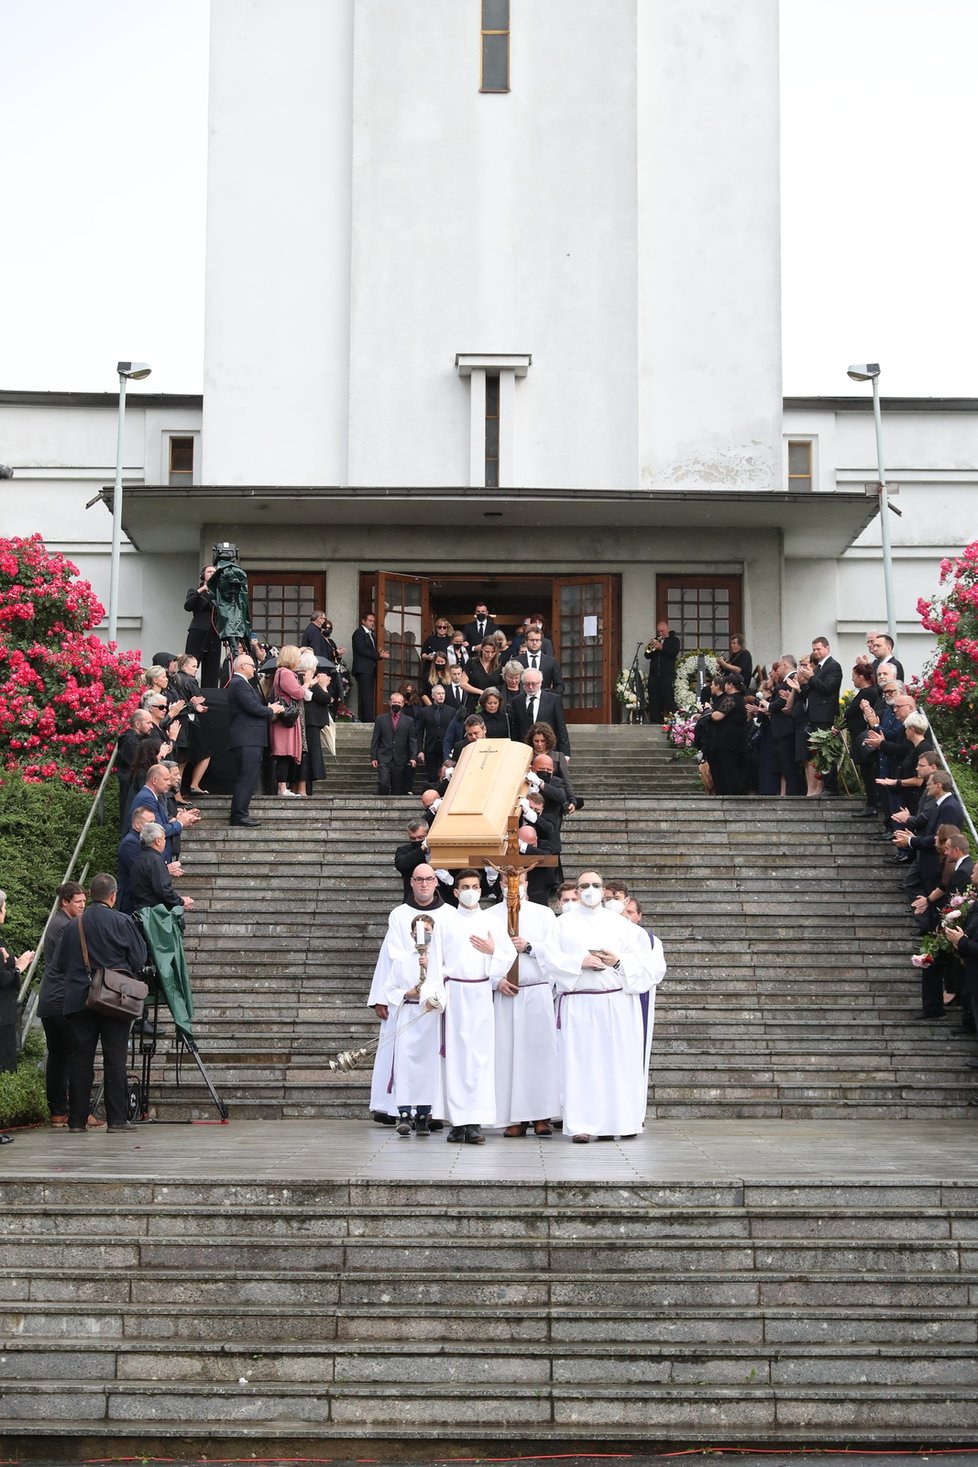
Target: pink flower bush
{"type": "Point", "coordinates": [64, 694]}
{"type": "Point", "coordinates": [949, 690]}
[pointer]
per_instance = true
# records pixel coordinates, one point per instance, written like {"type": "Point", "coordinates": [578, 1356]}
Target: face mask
{"type": "Point", "coordinates": [565, 906]}
{"type": "Point", "coordinates": [614, 905]}
{"type": "Point", "coordinates": [469, 898]}
{"type": "Point", "coordinates": [591, 896]}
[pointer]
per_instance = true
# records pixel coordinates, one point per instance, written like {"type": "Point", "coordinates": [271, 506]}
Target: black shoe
{"type": "Point", "coordinates": [897, 860]}
{"type": "Point", "coordinates": [383, 1119]}
{"type": "Point", "coordinates": [421, 1126]}
{"type": "Point", "coordinates": [456, 1133]}
{"type": "Point", "coordinates": [435, 1125]}
{"type": "Point", "coordinates": [474, 1136]}
{"type": "Point", "coordinates": [126, 1126]}
{"type": "Point", "coordinates": [867, 813]}
{"type": "Point", "coordinates": [403, 1127]}
{"type": "Point", "coordinates": [6, 1140]}
{"type": "Point", "coordinates": [926, 1014]}
{"type": "Point", "coordinates": [248, 820]}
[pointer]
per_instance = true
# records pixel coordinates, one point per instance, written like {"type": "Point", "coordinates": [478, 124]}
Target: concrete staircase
{"type": "Point", "coordinates": [139, 1311]}
{"type": "Point", "coordinates": [790, 992]}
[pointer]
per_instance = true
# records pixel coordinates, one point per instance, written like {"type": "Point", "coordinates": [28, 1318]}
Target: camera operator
{"type": "Point", "coordinates": [203, 641]}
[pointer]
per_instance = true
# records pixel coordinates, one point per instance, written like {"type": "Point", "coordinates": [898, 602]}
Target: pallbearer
{"type": "Point", "coordinates": [527, 1070]}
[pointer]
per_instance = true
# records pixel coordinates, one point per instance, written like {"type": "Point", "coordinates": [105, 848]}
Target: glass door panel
{"type": "Point", "coordinates": [585, 641]}
{"type": "Point", "coordinates": [402, 625]}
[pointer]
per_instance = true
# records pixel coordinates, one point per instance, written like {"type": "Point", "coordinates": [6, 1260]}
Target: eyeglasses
{"type": "Point", "coordinates": [422, 880]}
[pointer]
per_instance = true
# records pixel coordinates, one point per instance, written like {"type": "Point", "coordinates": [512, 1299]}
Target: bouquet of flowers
{"type": "Point", "coordinates": [680, 734]}
{"type": "Point", "coordinates": [630, 689]}
{"type": "Point", "coordinates": [952, 915]}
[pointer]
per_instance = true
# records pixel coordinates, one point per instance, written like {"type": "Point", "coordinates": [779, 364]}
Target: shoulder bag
{"type": "Point", "coordinates": [112, 993]}
{"type": "Point", "coordinates": [290, 708]}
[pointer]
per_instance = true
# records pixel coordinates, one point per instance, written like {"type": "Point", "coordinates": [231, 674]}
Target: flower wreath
{"type": "Point", "coordinates": [686, 694]}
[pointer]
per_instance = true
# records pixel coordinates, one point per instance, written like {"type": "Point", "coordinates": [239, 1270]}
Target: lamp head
{"type": "Point", "coordinates": [134, 371]}
{"type": "Point", "coordinates": [864, 372]}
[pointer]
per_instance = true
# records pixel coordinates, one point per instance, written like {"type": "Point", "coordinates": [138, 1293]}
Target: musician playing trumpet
{"type": "Point", "coordinates": [662, 652]}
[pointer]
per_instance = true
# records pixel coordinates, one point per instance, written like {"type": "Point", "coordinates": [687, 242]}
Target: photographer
{"type": "Point", "coordinates": [786, 712]}
{"type": "Point", "coordinates": [203, 640]}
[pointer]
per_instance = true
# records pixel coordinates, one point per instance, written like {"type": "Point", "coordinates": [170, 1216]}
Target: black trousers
{"type": "Point", "coordinates": [87, 1031]}
{"type": "Point", "coordinates": [786, 766]}
{"type": "Point", "coordinates": [366, 696]}
{"type": "Point", "coordinates": [206, 647]}
{"type": "Point", "coordinates": [59, 1039]}
{"type": "Point", "coordinates": [727, 768]}
{"type": "Point", "coordinates": [249, 773]}
{"type": "Point", "coordinates": [662, 697]}
{"type": "Point", "coordinates": [394, 779]}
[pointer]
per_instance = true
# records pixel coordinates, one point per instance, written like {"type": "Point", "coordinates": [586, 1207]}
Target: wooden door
{"type": "Point", "coordinates": [403, 623]}
{"type": "Point", "coordinates": [587, 638]}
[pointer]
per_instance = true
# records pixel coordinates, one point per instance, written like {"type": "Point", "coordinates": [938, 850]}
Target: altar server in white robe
{"type": "Point", "coordinates": [475, 951]}
{"type": "Point", "coordinates": [600, 966]}
{"type": "Point", "coordinates": [527, 1069]}
{"type": "Point", "coordinates": [394, 961]}
{"type": "Point", "coordinates": [657, 964]}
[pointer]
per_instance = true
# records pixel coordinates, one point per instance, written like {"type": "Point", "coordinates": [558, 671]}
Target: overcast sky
{"type": "Point", "coordinates": [104, 161]}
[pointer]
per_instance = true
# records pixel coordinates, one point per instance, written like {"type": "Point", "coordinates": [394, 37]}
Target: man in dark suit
{"type": "Point", "coordinates": [481, 626]}
{"type": "Point", "coordinates": [394, 748]}
{"type": "Point", "coordinates": [822, 698]}
{"type": "Point", "coordinates": [150, 883]}
{"type": "Point", "coordinates": [533, 656]}
{"type": "Point", "coordinates": [313, 635]}
{"type": "Point", "coordinates": [529, 624]}
{"type": "Point", "coordinates": [152, 797]}
{"type": "Point", "coordinates": [941, 976]}
{"type": "Point", "coordinates": [883, 647]}
{"type": "Point", "coordinates": [662, 653]}
{"type": "Point", "coordinates": [535, 706]}
{"type": "Point", "coordinates": [248, 734]}
{"type": "Point", "coordinates": [964, 940]}
{"type": "Point", "coordinates": [947, 810]}
{"type": "Point", "coordinates": [365, 661]}
{"type": "Point", "coordinates": [113, 941]}
{"type": "Point", "coordinates": [785, 711]}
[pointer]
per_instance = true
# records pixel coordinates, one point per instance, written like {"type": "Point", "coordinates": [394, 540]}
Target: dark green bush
{"type": "Point", "coordinates": [22, 1097]}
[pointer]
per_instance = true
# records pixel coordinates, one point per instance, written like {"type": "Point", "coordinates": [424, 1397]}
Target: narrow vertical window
{"type": "Point", "coordinates": [181, 464]}
{"type": "Point", "coordinates": [800, 465]}
{"type": "Point", "coordinates": [495, 46]}
{"type": "Point", "coordinates": [492, 430]}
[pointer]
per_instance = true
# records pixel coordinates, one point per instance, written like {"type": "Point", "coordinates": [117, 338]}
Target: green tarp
{"type": "Point", "coordinates": [164, 938]}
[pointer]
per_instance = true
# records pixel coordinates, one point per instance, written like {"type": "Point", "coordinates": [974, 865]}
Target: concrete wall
{"type": "Point", "coordinates": [276, 332]}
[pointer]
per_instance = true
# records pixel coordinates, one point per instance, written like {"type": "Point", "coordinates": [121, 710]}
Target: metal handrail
{"type": "Point", "coordinates": [967, 818]}
{"type": "Point", "coordinates": [30, 1012]}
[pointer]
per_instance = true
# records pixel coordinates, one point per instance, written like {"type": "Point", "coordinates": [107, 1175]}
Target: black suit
{"type": "Point", "coordinates": [662, 677]}
{"type": "Point", "coordinates": [149, 883]}
{"type": "Point", "coordinates": [248, 734]}
{"type": "Point", "coordinates": [549, 710]}
{"type": "Point", "coordinates": [968, 953]}
{"type": "Point", "coordinates": [394, 748]}
{"type": "Point", "coordinates": [365, 660]}
{"type": "Point", "coordinates": [433, 725]}
{"type": "Point", "coordinates": [474, 637]}
{"type": "Point", "coordinates": [947, 811]}
{"type": "Point", "coordinates": [313, 637]}
{"type": "Point", "coordinates": [943, 974]}
{"type": "Point", "coordinates": [822, 694]}
{"type": "Point", "coordinates": [548, 668]}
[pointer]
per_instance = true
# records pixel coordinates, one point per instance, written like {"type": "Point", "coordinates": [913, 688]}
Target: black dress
{"type": "Point", "coordinates": [193, 744]}
{"type": "Point", "coordinates": [728, 756]}
{"type": "Point", "coordinates": [9, 989]}
{"type": "Point", "coordinates": [203, 641]}
{"type": "Point", "coordinates": [497, 724]}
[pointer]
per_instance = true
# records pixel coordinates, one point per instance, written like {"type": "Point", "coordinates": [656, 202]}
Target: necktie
{"type": "Point", "coordinates": [533, 710]}
{"type": "Point", "coordinates": [394, 719]}
{"type": "Point", "coordinates": [533, 659]}
{"type": "Point", "coordinates": [482, 628]}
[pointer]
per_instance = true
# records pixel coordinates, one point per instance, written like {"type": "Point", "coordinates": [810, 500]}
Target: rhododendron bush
{"type": "Point", "coordinates": [950, 685]}
{"type": "Point", "coordinates": [64, 694]}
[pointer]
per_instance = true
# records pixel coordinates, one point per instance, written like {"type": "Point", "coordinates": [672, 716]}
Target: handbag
{"type": "Point", "coordinates": [111, 992]}
{"type": "Point", "coordinates": [289, 715]}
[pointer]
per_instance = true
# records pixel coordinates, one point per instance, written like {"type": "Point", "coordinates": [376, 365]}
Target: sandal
{"type": "Point", "coordinates": [542, 1128]}
{"type": "Point", "coordinates": [583, 1139]}
{"type": "Point", "coordinates": [518, 1129]}
{"type": "Point", "coordinates": [195, 791]}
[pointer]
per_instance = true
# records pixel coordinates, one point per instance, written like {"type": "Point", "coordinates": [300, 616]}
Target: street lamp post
{"type": "Point", "coordinates": [870, 372]}
{"type": "Point", "coordinates": [128, 371]}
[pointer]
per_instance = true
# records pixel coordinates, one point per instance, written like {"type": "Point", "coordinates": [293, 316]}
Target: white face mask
{"type": "Point", "coordinates": [591, 896]}
{"type": "Point", "coordinates": [613, 904]}
{"type": "Point", "coordinates": [469, 897]}
{"type": "Point", "coordinates": [566, 906]}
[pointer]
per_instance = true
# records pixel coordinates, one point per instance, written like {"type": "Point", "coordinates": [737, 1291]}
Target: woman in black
{"type": "Point", "coordinates": [11, 969]}
{"type": "Point", "coordinates": [494, 715]}
{"type": "Point", "coordinates": [867, 696]}
{"type": "Point", "coordinates": [481, 672]}
{"type": "Point", "coordinates": [203, 641]}
{"type": "Point", "coordinates": [192, 746]}
{"type": "Point", "coordinates": [728, 755]}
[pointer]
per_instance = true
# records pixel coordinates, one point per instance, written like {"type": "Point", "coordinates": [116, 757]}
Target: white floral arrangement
{"type": "Point", "coordinates": [625, 687]}
{"type": "Point", "coordinates": [686, 693]}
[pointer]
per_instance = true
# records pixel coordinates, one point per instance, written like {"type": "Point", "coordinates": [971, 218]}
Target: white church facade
{"type": "Point", "coordinates": [493, 311]}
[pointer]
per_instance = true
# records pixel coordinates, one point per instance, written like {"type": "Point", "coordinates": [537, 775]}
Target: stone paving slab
{"type": "Point", "coordinates": [697, 1151]}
